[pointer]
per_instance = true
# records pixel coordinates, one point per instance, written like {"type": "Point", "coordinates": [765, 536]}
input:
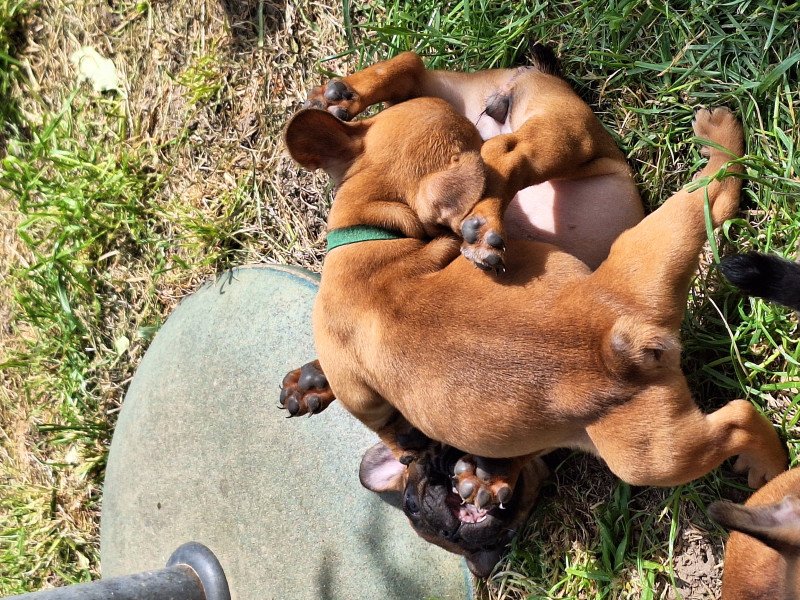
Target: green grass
{"type": "Point", "coordinates": [81, 203]}
{"type": "Point", "coordinates": [95, 246]}
{"type": "Point", "coordinates": [107, 246]}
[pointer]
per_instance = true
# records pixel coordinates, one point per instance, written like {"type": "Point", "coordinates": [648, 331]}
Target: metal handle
{"type": "Point", "coordinates": [192, 573]}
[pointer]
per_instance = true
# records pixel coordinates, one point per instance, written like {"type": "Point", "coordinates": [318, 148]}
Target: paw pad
{"type": "Point", "coordinates": [305, 391]}
{"type": "Point", "coordinates": [482, 481]}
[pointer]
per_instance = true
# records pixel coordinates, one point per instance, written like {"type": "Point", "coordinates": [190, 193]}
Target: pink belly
{"type": "Point", "coordinates": [581, 216]}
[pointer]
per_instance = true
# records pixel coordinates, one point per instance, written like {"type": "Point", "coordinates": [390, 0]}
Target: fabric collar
{"type": "Point", "coordinates": [359, 233]}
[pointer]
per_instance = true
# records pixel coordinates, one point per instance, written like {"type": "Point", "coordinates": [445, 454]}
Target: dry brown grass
{"type": "Point", "coordinates": [208, 93]}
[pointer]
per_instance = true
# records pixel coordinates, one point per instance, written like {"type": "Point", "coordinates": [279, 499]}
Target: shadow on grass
{"type": "Point", "coordinates": [251, 20]}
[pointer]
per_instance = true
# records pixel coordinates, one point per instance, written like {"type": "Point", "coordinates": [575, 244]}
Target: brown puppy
{"type": "Point", "coordinates": [548, 354]}
{"type": "Point", "coordinates": [579, 206]}
{"type": "Point", "coordinates": [762, 562]}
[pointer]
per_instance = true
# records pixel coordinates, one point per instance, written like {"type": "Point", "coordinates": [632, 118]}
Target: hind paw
{"type": "Point", "coordinates": [759, 470]}
{"type": "Point", "coordinates": [719, 125]}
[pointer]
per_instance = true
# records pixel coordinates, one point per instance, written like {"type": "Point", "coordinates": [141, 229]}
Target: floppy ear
{"type": "Point", "coordinates": [318, 140]}
{"type": "Point", "coordinates": [445, 197]}
{"type": "Point", "coordinates": [380, 471]}
{"type": "Point", "coordinates": [777, 525]}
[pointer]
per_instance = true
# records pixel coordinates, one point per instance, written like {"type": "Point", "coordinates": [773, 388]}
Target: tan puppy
{"type": "Point", "coordinates": [762, 562]}
{"type": "Point", "coordinates": [546, 355]}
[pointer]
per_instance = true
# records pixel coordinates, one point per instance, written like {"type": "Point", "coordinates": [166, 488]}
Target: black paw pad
{"type": "Point", "coordinates": [493, 261]}
{"type": "Point", "coordinates": [466, 488]}
{"type": "Point", "coordinates": [313, 403]}
{"type": "Point", "coordinates": [293, 405]}
{"type": "Point", "coordinates": [339, 112]}
{"type": "Point", "coordinates": [471, 228]}
{"type": "Point", "coordinates": [495, 240]}
{"type": "Point", "coordinates": [312, 378]}
{"type": "Point", "coordinates": [336, 91]}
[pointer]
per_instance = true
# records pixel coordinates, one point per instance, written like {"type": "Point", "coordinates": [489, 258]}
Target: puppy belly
{"type": "Point", "coordinates": [582, 217]}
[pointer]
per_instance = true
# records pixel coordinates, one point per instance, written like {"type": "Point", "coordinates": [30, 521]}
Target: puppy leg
{"type": "Point", "coordinates": [392, 81]}
{"type": "Point", "coordinates": [651, 265]}
{"type": "Point", "coordinates": [662, 438]}
{"type": "Point", "coordinates": [306, 390]}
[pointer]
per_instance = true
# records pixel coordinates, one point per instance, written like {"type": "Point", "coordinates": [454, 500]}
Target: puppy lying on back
{"type": "Point", "coordinates": [762, 557]}
{"type": "Point", "coordinates": [543, 354]}
{"type": "Point", "coordinates": [580, 199]}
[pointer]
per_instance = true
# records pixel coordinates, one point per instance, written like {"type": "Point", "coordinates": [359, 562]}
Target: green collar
{"type": "Point", "coordinates": [359, 233]}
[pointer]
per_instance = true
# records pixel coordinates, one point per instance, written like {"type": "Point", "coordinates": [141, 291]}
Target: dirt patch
{"type": "Point", "coordinates": [698, 567]}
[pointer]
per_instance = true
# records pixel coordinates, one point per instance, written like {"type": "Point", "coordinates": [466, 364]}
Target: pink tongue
{"type": "Point", "coordinates": [467, 513]}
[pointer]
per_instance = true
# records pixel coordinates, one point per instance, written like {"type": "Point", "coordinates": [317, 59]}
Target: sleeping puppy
{"type": "Point", "coordinates": [582, 212]}
{"type": "Point", "coordinates": [762, 556]}
{"type": "Point", "coordinates": [542, 354]}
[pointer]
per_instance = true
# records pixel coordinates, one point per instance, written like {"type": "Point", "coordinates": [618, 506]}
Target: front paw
{"type": "Point", "coordinates": [483, 245]}
{"type": "Point", "coordinates": [337, 97]}
{"type": "Point", "coordinates": [483, 481]}
{"type": "Point", "coordinates": [306, 390]}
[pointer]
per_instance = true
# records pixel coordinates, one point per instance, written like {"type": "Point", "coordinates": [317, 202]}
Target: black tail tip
{"type": "Point", "coordinates": [544, 58]}
{"type": "Point", "coordinates": [765, 276]}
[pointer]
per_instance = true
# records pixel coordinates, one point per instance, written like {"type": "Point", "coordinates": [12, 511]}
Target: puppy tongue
{"type": "Point", "coordinates": [468, 513]}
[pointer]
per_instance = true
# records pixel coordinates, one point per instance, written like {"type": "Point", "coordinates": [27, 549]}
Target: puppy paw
{"type": "Point", "coordinates": [483, 482]}
{"type": "Point", "coordinates": [306, 391]}
{"type": "Point", "coordinates": [719, 125]}
{"type": "Point", "coordinates": [760, 469]}
{"type": "Point", "coordinates": [337, 97]}
{"type": "Point", "coordinates": [483, 245]}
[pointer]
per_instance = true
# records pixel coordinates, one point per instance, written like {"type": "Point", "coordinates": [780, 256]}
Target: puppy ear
{"type": "Point", "coordinates": [632, 344]}
{"type": "Point", "coordinates": [482, 563]}
{"type": "Point", "coordinates": [777, 525]}
{"type": "Point", "coordinates": [380, 471]}
{"type": "Point", "coordinates": [445, 197]}
{"type": "Point", "coordinates": [318, 140]}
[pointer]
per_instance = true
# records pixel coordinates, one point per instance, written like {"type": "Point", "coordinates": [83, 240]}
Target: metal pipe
{"type": "Point", "coordinates": [192, 573]}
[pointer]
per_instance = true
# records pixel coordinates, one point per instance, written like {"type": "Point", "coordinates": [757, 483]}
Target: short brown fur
{"type": "Point", "coordinates": [548, 354]}
{"type": "Point", "coordinates": [544, 352]}
{"type": "Point", "coordinates": [762, 555]}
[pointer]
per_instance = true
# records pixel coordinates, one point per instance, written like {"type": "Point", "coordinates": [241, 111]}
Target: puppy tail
{"type": "Point", "coordinates": [765, 276]}
{"type": "Point", "coordinates": [633, 346]}
{"type": "Point", "coordinates": [776, 525]}
{"type": "Point", "coordinates": [543, 58]}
